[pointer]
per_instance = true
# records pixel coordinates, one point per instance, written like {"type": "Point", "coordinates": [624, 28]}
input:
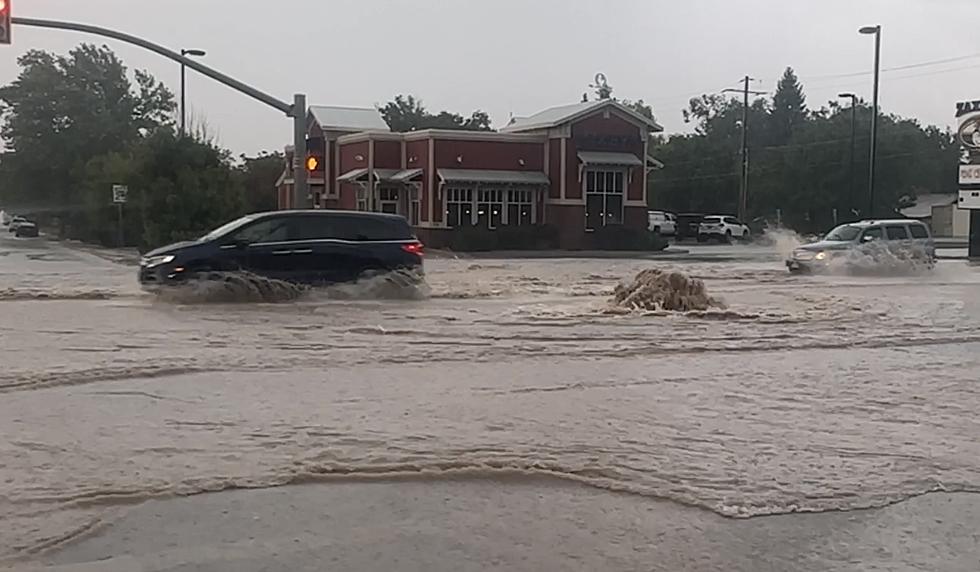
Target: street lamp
{"type": "Point", "coordinates": [876, 32]}
{"type": "Point", "coordinates": [853, 99]}
{"type": "Point", "coordinates": [183, 87]}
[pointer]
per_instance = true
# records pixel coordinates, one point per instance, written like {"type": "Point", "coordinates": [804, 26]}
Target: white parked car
{"type": "Point", "coordinates": [722, 228]}
{"type": "Point", "coordinates": [662, 223]}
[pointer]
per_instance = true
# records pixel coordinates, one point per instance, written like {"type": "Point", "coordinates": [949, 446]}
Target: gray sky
{"type": "Point", "coordinates": [520, 56]}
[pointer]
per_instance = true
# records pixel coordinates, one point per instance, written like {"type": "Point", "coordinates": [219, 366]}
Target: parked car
{"type": "Point", "coordinates": [26, 229]}
{"type": "Point", "coordinates": [902, 238]}
{"type": "Point", "coordinates": [687, 225]}
{"type": "Point", "coordinates": [722, 228]}
{"type": "Point", "coordinates": [662, 223]}
{"type": "Point", "coordinates": [15, 222]}
{"type": "Point", "coordinates": [303, 246]}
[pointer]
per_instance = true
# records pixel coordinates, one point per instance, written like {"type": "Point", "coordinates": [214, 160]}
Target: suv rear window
{"type": "Point", "coordinates": [918, 231]}
{"type": "Point", "coordinates": [896, 232]}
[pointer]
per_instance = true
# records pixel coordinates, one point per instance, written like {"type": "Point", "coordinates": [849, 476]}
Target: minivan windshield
{"type": "Point", "coordinates": [843, 233]}
{"type": "Point", "coordinates": [227, 227]}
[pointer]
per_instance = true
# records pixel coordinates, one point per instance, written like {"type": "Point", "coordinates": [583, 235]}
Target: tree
{"type": "Point", "coordinates": [406, 113]}
{"type": "Point", "coordinates": [62, 111]}
{"type": "Point", "coordinates": [258, 176]}
{"type": "Point", "coordinates": [788, 106]}
{"type": "Point", "coordinates": [640, 107]}
{"type": "Point", "coordinates": [799, 160]}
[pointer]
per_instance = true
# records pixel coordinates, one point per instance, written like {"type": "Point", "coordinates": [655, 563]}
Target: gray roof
{"type": "Point", "coordinates": [562, 114]}
{"type": "Point", "coordinates": [353, 119]}
{"type": "Point", "coordinates": [608, 158]}
{"type": "Point", "coordinates": [494, 176]}
{"type": "Point", "coordinates": [924, 203]}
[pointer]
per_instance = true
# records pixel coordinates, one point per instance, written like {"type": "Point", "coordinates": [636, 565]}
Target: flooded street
{"type": "Point", "coordinates": [508, 393]}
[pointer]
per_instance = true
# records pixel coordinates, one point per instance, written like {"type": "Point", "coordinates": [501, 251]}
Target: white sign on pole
{"type": "Point", "coordinates": [119, 193]}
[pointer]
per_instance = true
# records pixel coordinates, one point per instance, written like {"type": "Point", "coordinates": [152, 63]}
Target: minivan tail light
{"type": "Point", "coordinates": [415, 248]}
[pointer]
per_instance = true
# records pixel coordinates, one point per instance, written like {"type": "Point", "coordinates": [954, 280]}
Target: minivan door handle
{"type": "Point", "coordinates": [281, 252]}
{"type": "Point", "coordinates": [303, 251]}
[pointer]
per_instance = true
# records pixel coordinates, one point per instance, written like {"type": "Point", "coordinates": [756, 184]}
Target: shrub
{"type": "Point", "coordinates": [618, 237]}
{"type": "Point", "coordinates": [532, 237]}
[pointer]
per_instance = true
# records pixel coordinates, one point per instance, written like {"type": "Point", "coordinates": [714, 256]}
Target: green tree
{"type": "Point", "coordinates": [258, 176]}
{"type": "Point", "coordinates": [407, 113]}
{"type": "Point", "coordinates": [788, 106]}
{"type": "Point", "coordinates": [62, 111]}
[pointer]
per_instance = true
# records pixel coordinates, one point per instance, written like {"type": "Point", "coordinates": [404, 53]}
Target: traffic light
{"type": "Point", "coordinates": [312, 161]}
{"type": "Point", "coordinates": [5, 21]}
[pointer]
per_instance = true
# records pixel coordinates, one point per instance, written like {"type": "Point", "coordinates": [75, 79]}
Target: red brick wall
{"type": "Point", "coordinates": [503, 155]}
{"type": "Point", "coordinates": [388, 154]}
{"type": "Point", "coordinates": [419, 150]}
{"type": "Point", "coordinates": [584, 138]}
{"type": "Point", "coordinates": [348, 162]}
{"type": "Point", "coordinates": [554, 160]}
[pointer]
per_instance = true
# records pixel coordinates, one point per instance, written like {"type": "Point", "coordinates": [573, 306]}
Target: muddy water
{"type": "Point", "coordinates": [802, 394]}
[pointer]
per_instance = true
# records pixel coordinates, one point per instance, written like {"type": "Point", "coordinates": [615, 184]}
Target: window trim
{"type": "Point", "coordinates": [621, 192]}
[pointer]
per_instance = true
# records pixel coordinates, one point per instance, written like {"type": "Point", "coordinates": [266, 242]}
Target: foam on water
{"type": "Point", "coordinates": [245, 287]}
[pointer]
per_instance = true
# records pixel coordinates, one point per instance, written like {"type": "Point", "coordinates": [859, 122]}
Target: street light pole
{"type": "Point", "coordinates": [876, 31]}
{"type": "Point", "coordinates": [183, 87]}
{"type": "Point", "coordinates": [850, 173]}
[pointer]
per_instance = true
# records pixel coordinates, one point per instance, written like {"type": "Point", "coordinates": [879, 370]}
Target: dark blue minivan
{"type": "Point", "coordinates": [303, 246]}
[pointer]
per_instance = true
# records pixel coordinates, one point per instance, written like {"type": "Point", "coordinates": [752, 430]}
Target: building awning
{"type": "Point", "coordinates": [493, 176]}
{"type": "Point", "coordinates": [653, 163]}
{"type": "Point", "coordinates": [608, 158]}
{"type": "Point", "coordinates": [406, 175]}
{"type": "Point", "coordinates": [386, 175]}
{"type": "Point", "coordinates": [353, 175]}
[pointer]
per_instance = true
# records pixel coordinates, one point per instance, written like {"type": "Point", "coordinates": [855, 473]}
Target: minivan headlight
{"type": "Point", "coordinates": [157, 260]}
{"type": "Point", "coordinates": [821, 256]}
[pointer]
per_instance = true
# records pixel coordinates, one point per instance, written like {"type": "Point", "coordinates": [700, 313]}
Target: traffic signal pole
{"type": "Point", "coordinates": [296, 110]}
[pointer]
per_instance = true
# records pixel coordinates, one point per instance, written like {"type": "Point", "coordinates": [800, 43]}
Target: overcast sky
{"type": "Point", "coordinates": [520, 56]}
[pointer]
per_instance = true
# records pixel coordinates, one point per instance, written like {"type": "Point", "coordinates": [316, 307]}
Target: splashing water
{"type": "Point", "coordinates": [245, 287]}
{"type": "Point", "coordinates": [655, 289]}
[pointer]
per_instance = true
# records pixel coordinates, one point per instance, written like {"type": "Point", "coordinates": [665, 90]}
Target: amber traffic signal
{"type": "Point", "coordinates": [312, 162]}
{"type": "Point", "coordinates": [5, 21]}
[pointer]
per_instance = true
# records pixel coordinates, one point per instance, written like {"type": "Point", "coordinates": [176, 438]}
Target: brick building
{"type": "Point", "coordinates": [576, 167]}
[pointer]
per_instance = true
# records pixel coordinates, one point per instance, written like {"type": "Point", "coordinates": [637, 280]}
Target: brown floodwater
{"type": "Point", "coordinates": [797, 394]}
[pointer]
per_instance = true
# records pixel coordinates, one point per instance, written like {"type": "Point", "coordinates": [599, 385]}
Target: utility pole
{"type": "Point", "coordinates": [743, 189]}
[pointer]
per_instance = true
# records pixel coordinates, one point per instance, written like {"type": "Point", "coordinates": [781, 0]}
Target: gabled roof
{"type": "Point", "coordinates": [353, 119]}
{"type": "Point", "coordinates": [562, 114]}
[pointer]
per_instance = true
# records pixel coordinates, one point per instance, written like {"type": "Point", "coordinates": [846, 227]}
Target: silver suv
{"type": "Point", "coordinates": [867, 241]}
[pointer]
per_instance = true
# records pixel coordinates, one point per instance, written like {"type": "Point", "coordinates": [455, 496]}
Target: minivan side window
{"type": "Point", "coordinates": [896, 232]}
{"type": "Point", "coordinates": [918, 231]}
{"type": "Point", "coordinates": [265, 230]}
{"type": "Point", "coordinates": [873, 233]}
{"type": "Point", "coordinates": [312, 227]}
{"type": "Point", "coordinates": [363, 228]}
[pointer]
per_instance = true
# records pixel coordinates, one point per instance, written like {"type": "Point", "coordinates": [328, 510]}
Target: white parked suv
{"type": "Point", "coordinates": [722, 228]}
{"type": "Point", "coordinates": [662, 223]}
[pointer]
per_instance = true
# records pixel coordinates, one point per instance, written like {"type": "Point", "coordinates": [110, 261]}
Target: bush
{"type": "Point", "coordinates": [618, 237]}
{"type": "Point", "coordinates": [476, 239]}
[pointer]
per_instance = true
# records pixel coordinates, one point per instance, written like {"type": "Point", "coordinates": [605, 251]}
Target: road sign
{"type": "Point", "coordinates": [5, 21]}
{"type": "Point", "coordinates": [119, 193]}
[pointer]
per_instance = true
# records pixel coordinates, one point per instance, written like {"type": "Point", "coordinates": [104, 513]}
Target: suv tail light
{"type": "Point", "coordinates": [415, 248]}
